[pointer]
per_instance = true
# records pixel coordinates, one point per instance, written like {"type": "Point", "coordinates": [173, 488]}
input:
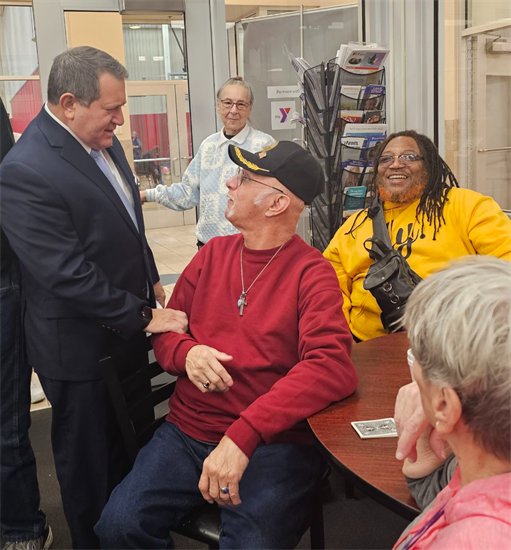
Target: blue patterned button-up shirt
{"type": "Point", "coordinates": [204, 180]}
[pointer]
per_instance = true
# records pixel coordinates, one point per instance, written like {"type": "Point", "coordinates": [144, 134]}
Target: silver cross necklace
{"type": "Point", "coordinates": [242, 302]}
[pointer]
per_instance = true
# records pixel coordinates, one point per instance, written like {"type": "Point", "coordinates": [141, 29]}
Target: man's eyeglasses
{"type": "Point", "coordinates": [242, 177]}
{"type": "Point", "coordinates": [240, 105]}
{"type": "Point", "coordinates": [407, 159]}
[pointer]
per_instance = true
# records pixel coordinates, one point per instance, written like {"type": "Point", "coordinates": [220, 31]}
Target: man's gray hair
{"type": "Point", "coordinates": [77, 71]}
{"type": "Point", "coordinates": [258, 200]}
{"type": "Point", "coordinates": [237, 80]}
{"type": "Point", "coordinates": [459, 325]}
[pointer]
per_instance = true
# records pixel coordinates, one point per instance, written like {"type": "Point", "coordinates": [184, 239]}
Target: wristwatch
{"type": "Point", "coordinates": [147, 315]}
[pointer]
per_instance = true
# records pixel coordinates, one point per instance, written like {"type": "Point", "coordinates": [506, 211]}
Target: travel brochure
{"type": "Point", "coordinates": [367, 98]}
{"type": "Point", "coordinates": [367, 117]}
{"type": "Point", "coordinates": [360, 99]}
{"type": "Point", "coordinates": [356, 156]}
{"type": "Point", "coordinates": [368, 123]}
{"type": "Point", "coordinates": [355, 198]}
{"type": "Point", "coordinates": [361, 58]}
{"type": "Point", "coordinates": [358, 142]}
{"type": "Point", "coordinates": [357, 63]}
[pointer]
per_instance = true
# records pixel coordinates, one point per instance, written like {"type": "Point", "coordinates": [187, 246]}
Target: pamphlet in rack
{"type": "Point", "coordinates": [355, 198]}
{"type": "Point", "coordinates": [349, 97]}
{"type": "Point", "coordinates": [361, 58]}
{"type": "Point", "coordinates": [302, 67]}
{"type": "Point", "coordinates": [373, 117]}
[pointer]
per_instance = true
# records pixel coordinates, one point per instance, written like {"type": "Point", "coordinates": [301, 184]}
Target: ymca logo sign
{"type": "Point", "coordinates": [281, 114]}
{"type": "Point", "coordinates": [284, 113]}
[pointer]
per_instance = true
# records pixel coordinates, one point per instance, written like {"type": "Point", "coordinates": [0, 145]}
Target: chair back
{"type": "Point", "coordinates": [128, 379]}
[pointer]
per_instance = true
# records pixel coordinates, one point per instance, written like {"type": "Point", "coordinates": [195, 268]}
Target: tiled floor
{"type": "Point", "coordinates": [173, 248]}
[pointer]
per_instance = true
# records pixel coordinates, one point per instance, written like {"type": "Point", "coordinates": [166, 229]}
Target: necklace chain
{"type": "Point", "coordinates": [241, 301]}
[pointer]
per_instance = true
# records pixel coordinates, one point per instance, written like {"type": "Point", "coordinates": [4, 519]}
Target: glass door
{"type": "Point", "coordinates": [161, 139]}
{"type": "Point", "coordinates": [485, 140]}
{"type": "Point", "coordinates": [150, 139]}
{"type": "Point", "coordinates": [157, 91]}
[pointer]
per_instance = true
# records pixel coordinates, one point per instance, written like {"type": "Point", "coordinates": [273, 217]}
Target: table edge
{"type": "Point", "coordinates": [404, 510]}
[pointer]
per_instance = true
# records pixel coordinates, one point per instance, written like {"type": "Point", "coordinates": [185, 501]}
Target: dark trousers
{"type": "Point", "coordinates": [276, 491]}
{"type": "Point", "coordinates": [89, 454]}
{"type": "Point", "coordinates": [20, 517]}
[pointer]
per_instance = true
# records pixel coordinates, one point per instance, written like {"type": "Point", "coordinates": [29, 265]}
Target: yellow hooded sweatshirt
{"type": "Point", "coordinates": [474, 224]}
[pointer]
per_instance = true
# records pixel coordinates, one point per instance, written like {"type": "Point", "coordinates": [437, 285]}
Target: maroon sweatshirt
{"type": "Point", "coordinates": [291, 348]}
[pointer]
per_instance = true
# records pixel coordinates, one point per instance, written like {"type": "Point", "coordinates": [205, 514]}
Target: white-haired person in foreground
{"type": "Point", "coordinates": [459, 326]}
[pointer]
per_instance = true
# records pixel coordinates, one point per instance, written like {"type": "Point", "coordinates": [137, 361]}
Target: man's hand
{"type": "Point", "coordinates": [204, 369]}
{"type": "Point", "coordinates": [159, 293]}
{"type": "Point", "coordinates": [142, 197]}
{"type": "Point", "coordinates": [224, 467]}
{"type": "Point", "coordinates": [167, 320]}
{"type": "Point", "coordinates": [411, 422]}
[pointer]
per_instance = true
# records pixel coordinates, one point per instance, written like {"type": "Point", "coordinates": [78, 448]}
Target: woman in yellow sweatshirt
{"type": "Point", "coordinates": [430, 221]}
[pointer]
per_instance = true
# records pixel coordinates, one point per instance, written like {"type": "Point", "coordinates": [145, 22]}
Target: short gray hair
{"type": "Point", "coordinates": [262, 195]}
{"type": "Point", "coordinates": [459, 325]}
{"type": "Point", "coordinates": [77, 71]}
{"type": "Point", "coordinates": [236, 80]}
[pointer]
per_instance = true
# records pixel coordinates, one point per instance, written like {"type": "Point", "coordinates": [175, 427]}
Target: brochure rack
{"type": "Point", "coordinates": [348, 169]}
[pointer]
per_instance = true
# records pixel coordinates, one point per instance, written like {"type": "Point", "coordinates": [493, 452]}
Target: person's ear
{"type": "Point", "coordinates": [280, 203]}
{"type": "Point", "coordinates": [68, 103]}
{"type": "Point", "coordinates": [447, 409]}
{"type": "Point", "coordinates": [218, 105]}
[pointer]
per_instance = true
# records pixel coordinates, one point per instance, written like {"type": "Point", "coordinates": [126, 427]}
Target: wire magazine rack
{"type": "Point", "coordinates": [324, 127]}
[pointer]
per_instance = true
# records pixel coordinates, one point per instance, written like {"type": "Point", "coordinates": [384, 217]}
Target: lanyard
{"type": "Point", "coordinates": [434, 518]}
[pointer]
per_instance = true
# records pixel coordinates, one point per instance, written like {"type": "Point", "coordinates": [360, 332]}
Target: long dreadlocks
{"type": "Point", "coordinates": [440, 181]}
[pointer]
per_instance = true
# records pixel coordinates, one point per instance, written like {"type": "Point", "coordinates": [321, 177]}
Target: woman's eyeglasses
{"type": "Point", "coordinates": [407, 159]}
{"type": "Point", "coordinates": [240, 105]}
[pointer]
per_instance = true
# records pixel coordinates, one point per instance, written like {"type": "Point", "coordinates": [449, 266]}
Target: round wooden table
{"type": "Point", "coordinates": [370, 464]}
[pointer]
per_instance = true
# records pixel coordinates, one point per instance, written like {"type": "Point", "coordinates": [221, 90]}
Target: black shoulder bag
{"type": "Point", "coordinates": [389, 279]}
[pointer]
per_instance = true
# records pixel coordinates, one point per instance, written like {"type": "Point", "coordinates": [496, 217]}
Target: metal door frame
{"type": "Point", "coordinates": [476, 66]}
{"type": "Point", "coordinates": [176, 113]}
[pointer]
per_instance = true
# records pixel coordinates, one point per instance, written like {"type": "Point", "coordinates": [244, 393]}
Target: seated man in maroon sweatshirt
{"type": "Point", "coordinates": [268, 346]}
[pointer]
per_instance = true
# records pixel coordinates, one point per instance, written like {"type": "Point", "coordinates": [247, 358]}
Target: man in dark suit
{"type": "Point", "coordinates": [69, 209]}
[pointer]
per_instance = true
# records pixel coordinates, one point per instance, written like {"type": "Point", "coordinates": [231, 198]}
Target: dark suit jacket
{"type": "Point", "coordinates": [87, 272]}
{"type": "Point", "coordinates": [7, 256]}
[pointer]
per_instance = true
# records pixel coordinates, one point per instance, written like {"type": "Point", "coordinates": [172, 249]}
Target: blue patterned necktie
{"type": "Point", "coordinates": [103, 165]}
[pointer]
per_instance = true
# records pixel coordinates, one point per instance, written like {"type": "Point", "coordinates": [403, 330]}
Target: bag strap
{"type": "Point", "coordinates": [381, 243]}
{"type": "Point", "coordinates": [380, 231]}
{"type": "Point", "coordinates": [378, 248]}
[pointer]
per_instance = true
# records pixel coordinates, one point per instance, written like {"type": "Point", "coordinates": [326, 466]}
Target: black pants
{"type": "Point", "coordinates": [200, 244]}
{"type": "Point", "coordinates": [89, 453]}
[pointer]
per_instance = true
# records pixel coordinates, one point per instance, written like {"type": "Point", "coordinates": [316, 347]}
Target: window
{"type": "Point", "coordinates": [155, 51]}
{"type": "Point", "coordinates": [20, 87]}
{"type": "Point", "coordinates": [477, 91]}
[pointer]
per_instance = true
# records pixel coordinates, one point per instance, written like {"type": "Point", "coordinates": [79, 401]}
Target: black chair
{"type": "Point", "coordinates": [128, 379]}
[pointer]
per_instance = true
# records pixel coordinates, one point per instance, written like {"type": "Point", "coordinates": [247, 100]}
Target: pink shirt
{"type": "Point", "coordinates": [477, 516]}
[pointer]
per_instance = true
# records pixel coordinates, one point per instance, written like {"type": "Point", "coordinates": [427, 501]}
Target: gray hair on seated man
{"type": "Point", "coordinates": [459, 326]}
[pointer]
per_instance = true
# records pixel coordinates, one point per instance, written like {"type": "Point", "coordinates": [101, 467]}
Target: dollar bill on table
{"type": "Point", "coordinates": [368, 429]}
